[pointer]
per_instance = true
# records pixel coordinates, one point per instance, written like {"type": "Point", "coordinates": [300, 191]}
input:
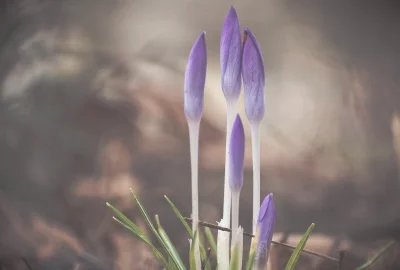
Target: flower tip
{"type": "Point", "coordinates": [246, 33]}
{"type": "Point", "coordinates": [199, 43]}
{"type": "Point", "coordinates": [231, 56]}
{"type": "Point", "coordinates": [267, 208]}
{"type": "Point", "coordinates": [249, 33]}
{"type": "Point", "coordinates": [237, 127]}
{"type": "Point", "coordinates": [253, 75]}
{"type": "Point", "coordinates": [252, 48]}
{"type": "Point", "coordinates": [236, 155]}
{"type": "Point", "coordinates": [195, 76]}
{"type": "Point", "coordinates": [232, 13]}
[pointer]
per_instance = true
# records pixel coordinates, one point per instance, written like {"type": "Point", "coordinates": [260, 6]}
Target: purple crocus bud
{"type": "Point", "coordinates": [231, 56]}
{"type": "Point", "coordinates": [265, 229]}
{"type": "Point", "coordinates": [195, 77]}
{"type": "Point", "coordinates": [253, 78]}
{"type": "Point", "coordinates": [236, 156]}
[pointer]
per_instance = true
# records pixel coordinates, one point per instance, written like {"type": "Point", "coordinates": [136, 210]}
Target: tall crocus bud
{"type": "Point", "coordinates": [265, 231]}
{"type": "Point", "coordinates": [195, 77]}
{"type": "Point", "coordinates": [236, 155]}
{"type": "Point", "coordinates": [253, 78]}
{"type": "Point", "coordinates": [230, 56]}
{"type": "Point", "coordinates": [254, 102]}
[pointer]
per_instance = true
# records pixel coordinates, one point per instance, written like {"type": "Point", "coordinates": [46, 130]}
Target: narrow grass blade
{"type": "Point", "coordinates": [127, 221]}
{"type": "Point", "coordinates": [152, 227]}
{"type": "Point", "coordinates": [171, 265]}
{"type": "Point", "coordinates": [132, 227]}
{"type": "Point", "coordinates": [155, 251]}
{"type": "Point", "coordinates": [376, 256]}
{"type": "Point", "coordinates": [192, 260]}
{"type": "Point", "coordinates": [207, 264]}
{"type": "Point", "coordinates": [179, 215]}
{"type": "Point", "coordinates": [175, 255]}
{"type": "Point", "coordinates": [299, 248]}
{"type": "Point", "coordinates": [186, 225]}
{"type": "Point", "coordinates": [211, 240]}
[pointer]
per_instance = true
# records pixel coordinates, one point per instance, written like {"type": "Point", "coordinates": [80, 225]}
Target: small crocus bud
{"type": "Point", "coordinates": [195, 77]}
{"type": "Point", "coordinates": [265, 229]}
{"type": "Point", "coordinates": [236, 155]}
{"type": "Point", "coordinates": [253, 78]}
{"type": "Point", "coordinates": [230, 56]}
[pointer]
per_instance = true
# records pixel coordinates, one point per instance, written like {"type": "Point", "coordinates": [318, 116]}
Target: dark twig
{"type": "Point", "coordinates": [213, 226]}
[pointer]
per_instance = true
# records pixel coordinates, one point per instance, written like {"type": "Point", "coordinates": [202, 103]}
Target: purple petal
{"type": "Point", "coordinates": [195, 77]}
{"type": "Point", "coordinates": [253, 78]}
{"type": "Point", "coordinates": [265, 228]}
{"type": "Point", "coordinates": [230, 56]}
{"type": "Point", "coordinates": [236, 155]}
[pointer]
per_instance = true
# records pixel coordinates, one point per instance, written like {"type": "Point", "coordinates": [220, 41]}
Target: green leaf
{"type": "Point", "coordinates": [129, 225]}
{"type": "Point", "coordinates": [186, 225]}
{"type": "Point", "coordinates": [299, 248]}
{"type": "Point", "coordinates": [175, 255]}
{"type": "Point", "coordinates": [128, 222]}
{"type": "Point", "coordinates": [192, 259]}
{"type": "Point", "coordinates": [207, 265]}
{"type": "Point", "coordinates": [376, 256]}
{"type": "Point", "coordinates": [171, 265]}
{"type": "Point", "coordinates": [153, 229]}
{"type": "Point", "coordinates": [179, 215]}
{"type": "Point", "coordinates": [157, 253]}
{"type": "Point", "coordinates": [211, 240]}
{"type": "Point", "coordinates": [250, 260]}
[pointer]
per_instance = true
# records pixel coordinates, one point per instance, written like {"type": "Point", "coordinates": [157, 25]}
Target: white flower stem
{"type": "Point", "coordinates": [240, 243]}
{"type": "Point", "coordinates": [230, 117]}
{"type": "Point", "coordinates": [223, 248]}
{"type": "Point", "coordinates": [223, 237]}
{"type": "Point", "coordinates": [194, 129]}
{"type": "Point", "coordinates": [235, 215]}
{"type": "Point", "coordinates": [237, 250]}
{"type": "Point", "coordinates": [255, 145]}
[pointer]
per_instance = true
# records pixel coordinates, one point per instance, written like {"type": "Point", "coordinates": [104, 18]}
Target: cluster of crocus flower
{"type": "Point", "coordinates": [240, 60]}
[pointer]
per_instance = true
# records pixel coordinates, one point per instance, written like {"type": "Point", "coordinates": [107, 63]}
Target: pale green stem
{"type": "Point", "coordinates": [240, 243]}
{"type": "Point", "coordinates": [237, 250]}
{"type": "Point", "coordinates": [235, 215]}
{"type": "Point", "coordinates": [194, 129]}
{"type": "Point", "coordinates": [230, 117]}
{"type": "Point", "coordinates": [255, 145]}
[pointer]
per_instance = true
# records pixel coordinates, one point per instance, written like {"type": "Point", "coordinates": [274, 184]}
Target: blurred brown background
{"type": "Point", "coordinates": [91, 105]}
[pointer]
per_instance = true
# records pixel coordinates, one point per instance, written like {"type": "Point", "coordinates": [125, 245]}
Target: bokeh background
{"type": "Point", "coordinates": [91, 105]}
